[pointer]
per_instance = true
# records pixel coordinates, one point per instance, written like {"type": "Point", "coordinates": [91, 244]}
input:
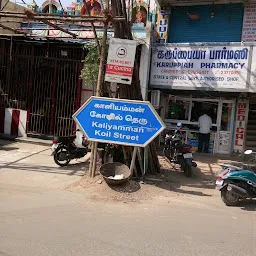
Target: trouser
{"type": "Point", "coordinates": [203, 142]}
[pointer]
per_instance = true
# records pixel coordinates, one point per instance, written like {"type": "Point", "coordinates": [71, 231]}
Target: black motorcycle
{"type": "Point", "coordinates": [64, 149]}
{"type": "Point", "coordinates": [178, 152]}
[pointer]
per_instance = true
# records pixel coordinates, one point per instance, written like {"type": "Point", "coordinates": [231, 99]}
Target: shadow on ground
{"type": "Point", "coordinates": [77, 169]}
{"type": "Point", "coordinates": [5, 145]}
{"type": "Point", "coordinates": [202, 180]}
{"type": "Point", "coordinates": [8, 148]}
{"type": "Point", "coordinates": [248, 205]}
{"type": "Point", "coordinates": [129, 187]}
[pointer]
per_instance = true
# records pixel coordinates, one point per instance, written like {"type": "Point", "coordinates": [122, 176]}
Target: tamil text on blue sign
{"type": "Point", "coordinates": [118, 121]}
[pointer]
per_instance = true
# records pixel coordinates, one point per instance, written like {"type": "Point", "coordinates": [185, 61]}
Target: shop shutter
{"type": "Point", "coordinates": [253, 98]}
{"type": "Point", "coordinates": [225, 26]}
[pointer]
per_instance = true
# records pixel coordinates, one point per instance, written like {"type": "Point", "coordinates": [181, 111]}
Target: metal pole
{"type": "Point", "coordinates": [133, 160]}
{"type": "Point", "coordinates": [94, 163]}
{"type": "Point", "coordinates": [91, 160]}
{"type": "Point", "coordinates": [145, 167]}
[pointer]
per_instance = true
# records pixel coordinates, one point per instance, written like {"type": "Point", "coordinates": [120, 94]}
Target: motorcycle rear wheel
{"type": "Point", "coordinates": [229, 198]}
{"type": "Point", "coordinates": [61, 157]}
{"type": "Point", "coordinates": [167, 154]}
{"type": "Point", "coordinates": [187, 170]}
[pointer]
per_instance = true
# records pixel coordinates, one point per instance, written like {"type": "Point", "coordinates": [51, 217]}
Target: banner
{"type": "Point", "coordinates": [196, 67]}
{"type": "Point", "coordinates": [162, 27]}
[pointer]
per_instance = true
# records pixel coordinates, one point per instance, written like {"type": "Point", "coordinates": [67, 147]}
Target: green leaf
{"type": "Point", "coordinates": [90, 70]}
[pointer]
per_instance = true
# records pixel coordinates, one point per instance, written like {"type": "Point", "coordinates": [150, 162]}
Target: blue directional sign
{"type": "Point", "coordinates": [119, 121]}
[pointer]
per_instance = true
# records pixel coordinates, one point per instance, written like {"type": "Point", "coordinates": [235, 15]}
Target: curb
{"type": "Point", "coordinates": [26, 140]}
{"type": "Point", "coordinates": [29, 140]}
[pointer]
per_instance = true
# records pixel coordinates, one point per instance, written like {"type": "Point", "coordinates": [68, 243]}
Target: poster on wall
{"type": "Point", "coordinates": [253, 72]}
{"type": "Point", "coordinates": [223, 145]}
{"type": "Point", "coordinates": [192, 68]}
{"type": "Point", "coordinates": [162, 27]}
{"type": "Point", "coordinates": [139, 14]}
{"type": "Point", "coordinates": [249, 22]}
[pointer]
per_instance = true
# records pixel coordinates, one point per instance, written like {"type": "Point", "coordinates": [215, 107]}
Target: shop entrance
{"type": "Point", "coordinates": [188, 110]}
{"type": "Point", "coordinates": [225, 126]}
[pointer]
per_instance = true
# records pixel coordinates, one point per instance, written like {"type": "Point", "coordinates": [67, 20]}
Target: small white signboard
{"type": "Point", "coordinates": [249, 22]}
{"type": "Point", "coordinates": [120, 62]}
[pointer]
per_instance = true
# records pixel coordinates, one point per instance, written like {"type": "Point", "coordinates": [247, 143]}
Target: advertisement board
{"type": "Point", "coordinates": [249, 22]}
{"type": "Point", "coordinates": [195, 67]}
{"type": "Point", "coordinates": [120, 62]}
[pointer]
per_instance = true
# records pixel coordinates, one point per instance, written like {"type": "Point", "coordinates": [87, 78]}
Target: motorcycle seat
{"type": "Point", "coordinates": [65, 139]}
{"type": "Point", "coordinates": [234, 167]}
{"type": "Point", "coordinates": [240, 167]}
{"type": "Point", "coordinates": [251, 168]}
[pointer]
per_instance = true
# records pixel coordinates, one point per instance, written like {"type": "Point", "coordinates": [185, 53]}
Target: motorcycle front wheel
{"type": "Point", "coordinates": [61, 156]}
{"type": "Point", "coordinates": [229, 197]}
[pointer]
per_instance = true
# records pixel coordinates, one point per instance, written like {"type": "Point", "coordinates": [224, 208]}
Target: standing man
{"type": "Point", "coordinates": [205, 125]}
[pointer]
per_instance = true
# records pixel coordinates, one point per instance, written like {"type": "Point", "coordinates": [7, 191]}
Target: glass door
{"type": "Point", "coordinates": [225, 126]}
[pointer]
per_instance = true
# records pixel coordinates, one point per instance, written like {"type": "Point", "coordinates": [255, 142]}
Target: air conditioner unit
{"type": "Point", "coordinates": [155, 98]}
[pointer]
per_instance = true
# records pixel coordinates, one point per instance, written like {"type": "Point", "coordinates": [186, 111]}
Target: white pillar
{"type": "Point", "coordinates": [145, 61]}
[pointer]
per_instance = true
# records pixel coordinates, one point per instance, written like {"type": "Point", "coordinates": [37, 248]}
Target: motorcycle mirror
{"type": "Point", "coordinates": [248, 152]}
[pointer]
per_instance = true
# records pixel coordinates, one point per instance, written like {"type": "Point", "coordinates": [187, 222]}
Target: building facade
{"type": "Point", "coordinates": [40, 86]}
{"type": "Point", "coordinates": [40, 83]}
{"type": "Point", "coordinates": [203, 58]}
{"type": "Point", "coordinates": [6, 23]}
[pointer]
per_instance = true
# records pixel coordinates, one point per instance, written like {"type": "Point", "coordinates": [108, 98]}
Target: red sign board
{"type": "Point", "coordinates": [241, 117]}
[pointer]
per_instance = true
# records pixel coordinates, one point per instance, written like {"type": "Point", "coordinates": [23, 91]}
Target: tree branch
{"type": "Point", "coordinates": [11, 29]}
{"type": "Point", "coordinates": [33, 17]}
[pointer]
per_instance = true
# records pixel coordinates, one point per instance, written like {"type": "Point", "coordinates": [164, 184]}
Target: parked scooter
{"type": "Point", "coordinates": [66, 148]}
{"type": "Point", "coordinates": [178, 152]}
{"type": "Point", "coordinates": [237, 183]}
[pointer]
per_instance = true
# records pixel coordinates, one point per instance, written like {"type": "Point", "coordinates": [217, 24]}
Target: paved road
{"type": "Point", "coordinates": [40, 221]}
{"type": "Point", "coordinates": [38, 218]}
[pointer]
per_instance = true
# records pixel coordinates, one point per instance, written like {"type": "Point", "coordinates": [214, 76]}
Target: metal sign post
{"type": "Point", "coordinates": [133, 159]}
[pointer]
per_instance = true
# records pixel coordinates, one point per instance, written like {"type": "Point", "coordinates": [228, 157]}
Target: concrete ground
{"type": "Point", "coordinates": [32, 165]}
{"type": "Point", "coordinates": [39, 217]}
